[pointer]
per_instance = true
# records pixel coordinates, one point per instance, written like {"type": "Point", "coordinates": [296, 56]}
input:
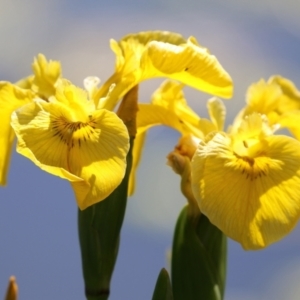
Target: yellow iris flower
{"type": "Point", "coordinates": [60, 129]}
{"type": "Point", "coordinates": [152, 54]}
{"type": "Point", "coordinates": [68, 137]}
{"type": "Point", "coordinates": [247, 183]}
{"type": "Point", "coordinates": [13, 96]}
{"type": "Point", "coordinates": [256, 172]}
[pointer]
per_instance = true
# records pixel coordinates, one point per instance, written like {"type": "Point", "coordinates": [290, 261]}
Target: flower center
{"type": "Point", "coordinates": [251, 158]}
{"type": "Point", "coordinates": [73, 133]}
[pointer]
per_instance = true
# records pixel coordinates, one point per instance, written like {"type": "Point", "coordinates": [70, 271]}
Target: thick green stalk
{"type": "Point", "coordinates": [99, 226]}
{"type": "Point", "coordinates": [99, 234]}
{"type": "Point", "coordinates": [198, 259]}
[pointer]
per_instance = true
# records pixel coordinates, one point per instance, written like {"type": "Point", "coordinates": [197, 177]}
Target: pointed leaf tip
{"type": "Point", "coordinates": [163, 289]}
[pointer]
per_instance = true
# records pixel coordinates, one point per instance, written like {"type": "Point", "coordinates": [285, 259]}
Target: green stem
{"type": "Point", "coordinates": [99, 235]}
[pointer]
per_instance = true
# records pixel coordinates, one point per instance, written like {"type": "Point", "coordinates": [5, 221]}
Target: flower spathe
{"type": "Point", "coordinates": [151, 54]}
{"type": "Point", "coordinates": [247, 183]}
{"type": "Point", "coordinates": [67, 137]}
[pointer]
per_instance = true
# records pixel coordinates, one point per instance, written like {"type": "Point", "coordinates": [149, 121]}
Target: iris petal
{"type": "Point", "coordinates": [217, 112]}
{"type": "Point", "coordinates": [11, 98]}
{"type": "Point", "coordinates": [148, 55]}
{"type": "Point", "coordinates": [101, 160]}
{"type": "Point", "coordinates": [194, 66]}
{"type": "Point", "coordinates": [46, 74]}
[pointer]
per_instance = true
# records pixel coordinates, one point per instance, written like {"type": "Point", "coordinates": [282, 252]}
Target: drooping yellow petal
{"type": "Point", "coordinates": [251, 196]}
{"type": "Point", "coordinates": [43, 136]}
{"type": "Point", "coordinates": [170, 96]}
{"type": "Point", "coordinates": [164, 54]}
{"type": "Point", "coordinates": [11, 98]}
{"type": "Point", "coordinates": [150, 115]}
{"type": "Point", "coordinates": [101, 161]}
{"type": "Point", "coordinates": [88, 148]}
{"type": "Point", "coordinates": [168, 107]}
{"type": "Point", "coordinates": [194, 66]}
{"type": "Point", "coordinates": [46, 74]}
{"type": "Point", "coordinates": [131, 47]}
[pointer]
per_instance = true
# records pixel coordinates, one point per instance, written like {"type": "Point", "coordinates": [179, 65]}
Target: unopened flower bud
{"type": "Point", "coordinates": [187, 145]}
{"type": "Point", "coordinates": [12, 289]}
{"type": "Point", "coordinates": [180, 161]}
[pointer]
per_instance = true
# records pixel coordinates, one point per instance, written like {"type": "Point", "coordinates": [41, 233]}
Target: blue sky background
{"type": "Point", "coordinates": [38, 215]}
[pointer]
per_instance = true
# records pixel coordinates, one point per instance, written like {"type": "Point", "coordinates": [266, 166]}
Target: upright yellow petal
{"type": "Point", "coordinates": [278, 99]}
{"type": "Point", "coordinates": [46, 74]}
{"type": "Point", "coordinates": [66, 138]}
{"type": "Point", "coordinates": [249, 188]}
{"type": "Point", "coordinates": [262, 97]}
{"type": "Point", "coordinates": [217, 112]}
{"type": "Point", "coordinates": [146, 55]}
{"type": "Point", "coordinates": [11, 98]}
{"type": "Point", "coordinates": [291, 101]}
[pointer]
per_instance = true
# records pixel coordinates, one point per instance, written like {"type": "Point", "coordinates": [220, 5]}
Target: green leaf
{"type": "Point", "coordinates": [198, 259]}
{"type": "Point", "coordinates": [163, 288]}
{"type": "Point", "coordinates": [99, 234]}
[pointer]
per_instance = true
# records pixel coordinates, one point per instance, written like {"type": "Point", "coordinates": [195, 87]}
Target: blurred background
{"type": "Point", "coordinates": [38, 215]}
